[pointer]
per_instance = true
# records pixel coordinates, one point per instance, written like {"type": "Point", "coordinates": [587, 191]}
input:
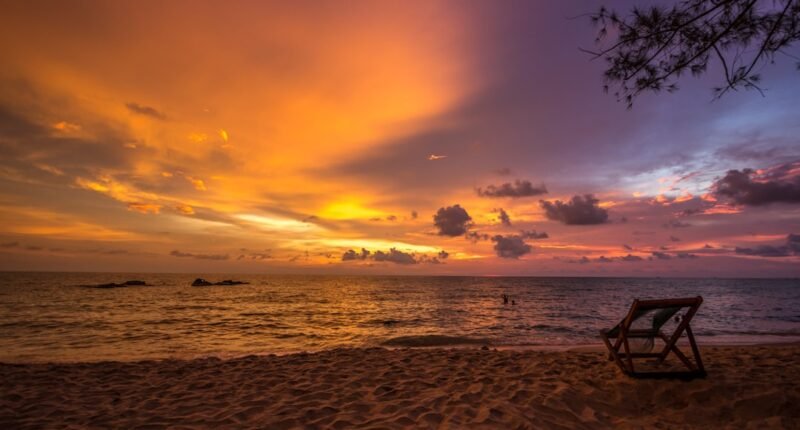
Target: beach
{"type": "Point", "coordinates": [746, 387]}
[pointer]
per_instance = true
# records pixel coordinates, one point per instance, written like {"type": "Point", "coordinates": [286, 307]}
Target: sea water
{"type": "Point", "coordinates": [53, 317]}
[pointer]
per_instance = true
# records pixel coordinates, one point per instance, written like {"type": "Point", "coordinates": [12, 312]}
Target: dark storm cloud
{"type": "Point", "coordinates": [533, 234]}
{"type": "Point", "coordinates": [351, 255]}
{"type": "Point", "coordinates": [747, 187]}
{"type": "Point", "coordinates": [581, 210]}
{"type": "Point", "coordinates": [514, 190]}
{"type": "Point", "coordinates": [177, 253]}
{"type": "Point", "coordinates": [452, 221]}
{"type": "Point", "coordinates": [394, 256]}
{"type": "Point", "coordinates": [791, 247]}
{"type": "Point", "coordinates": [145, 110]}
{"type": "Point", "coordinates": [510, 246]}
{"type": "Point", "coordinates": [504, 218]}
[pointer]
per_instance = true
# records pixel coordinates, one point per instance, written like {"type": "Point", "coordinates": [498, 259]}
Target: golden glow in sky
{"type": "Point", "coordinates": [281, 136]}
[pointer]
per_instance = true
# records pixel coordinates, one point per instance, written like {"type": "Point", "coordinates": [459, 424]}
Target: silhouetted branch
{"type": "Point", "coordinates": [655, 46]}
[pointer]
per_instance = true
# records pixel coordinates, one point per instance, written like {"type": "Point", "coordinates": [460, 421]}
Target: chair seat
{"type": "Point", "coordinates": [614, 333]}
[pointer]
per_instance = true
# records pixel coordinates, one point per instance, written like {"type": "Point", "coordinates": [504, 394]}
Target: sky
{"type": "Point", "coordinates": [446, 138]}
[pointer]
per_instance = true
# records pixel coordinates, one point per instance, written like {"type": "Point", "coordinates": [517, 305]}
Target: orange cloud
{"type": "Point", "coordinates": [144, 208]}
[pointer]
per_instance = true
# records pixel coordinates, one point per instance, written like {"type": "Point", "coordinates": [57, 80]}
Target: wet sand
{"type": "Point", "coordinates": [746, 387]}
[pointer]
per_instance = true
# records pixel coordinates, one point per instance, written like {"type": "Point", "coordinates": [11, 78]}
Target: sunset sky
{"type": "Point", "coordinates": [377, 137]}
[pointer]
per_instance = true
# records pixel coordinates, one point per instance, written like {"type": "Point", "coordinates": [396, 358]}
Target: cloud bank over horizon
{"type": "Point", "coordinates": [370, 139]}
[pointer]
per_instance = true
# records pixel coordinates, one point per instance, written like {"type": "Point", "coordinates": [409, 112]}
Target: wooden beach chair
{"type": "Point", "coordinates": [653, 315]}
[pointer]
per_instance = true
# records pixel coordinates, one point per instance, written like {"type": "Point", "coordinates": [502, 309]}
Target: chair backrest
{"type": "Point", "coordinates": [657, 311]}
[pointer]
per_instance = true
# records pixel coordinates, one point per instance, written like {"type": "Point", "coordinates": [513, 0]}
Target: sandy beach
{"type": "Point", "coordinates": [746, 387]}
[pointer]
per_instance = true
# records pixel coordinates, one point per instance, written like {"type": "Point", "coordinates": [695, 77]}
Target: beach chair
{"type": "Point", "coordinates": [644, 321]}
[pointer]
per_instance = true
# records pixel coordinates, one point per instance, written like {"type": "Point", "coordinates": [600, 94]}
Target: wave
{"type": "Point", "coordinates": [434, 340]}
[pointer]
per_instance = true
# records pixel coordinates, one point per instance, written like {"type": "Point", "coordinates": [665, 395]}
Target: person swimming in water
{"type": "Point", "coordinates": [505, 299]}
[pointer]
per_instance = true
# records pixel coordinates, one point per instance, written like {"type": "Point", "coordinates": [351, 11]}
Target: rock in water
{"type": "Point", "coordinates": [200, 282]}
{"type": "Point", "coordinates": [135, 282]}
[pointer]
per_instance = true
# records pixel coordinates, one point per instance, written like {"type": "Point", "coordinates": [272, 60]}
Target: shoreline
{"type": "Point", "coordinates": [757, 385]}
{"type": "Point", "coordinates": [773, 341]}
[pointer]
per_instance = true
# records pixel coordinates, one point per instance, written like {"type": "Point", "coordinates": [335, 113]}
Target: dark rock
{"type": "Point", "coordinates": [134, 282]}
{"type": "Point", "coordinates": [231, 282]}
{"type": "Point", "coordinates": [115, 285]}
{"type": "Point", "coordinates": [200, 282]}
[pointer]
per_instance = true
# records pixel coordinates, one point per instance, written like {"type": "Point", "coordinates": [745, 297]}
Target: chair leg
{"type": "Point", "coordinates": [695, 349]}
{"type": "Point", "coordinates": [678, 353]}
{"type": "Point", "coordinates": [612, 352]}
{"type": "Point", "coordinates": [627, 347]}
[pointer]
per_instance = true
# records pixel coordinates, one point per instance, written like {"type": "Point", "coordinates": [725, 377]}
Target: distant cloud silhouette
{"type": "Point", "coordinates": [505, 171]}
{"type": "Point", "coordinates": [145, 110]}
{"type": "Point", "coordinates": [692, 211]}
{"type": "Point", "coordinates": [661, 255]}
{"type": "Point", "coordinates": [514, 190]}
{"type": "Point", "coordinates": [687, 255]}
{"type": "Point", "coordinates": [414, 215]}
{"type": "Point", "coordinates": [351, 255]}
{"type": "Point", "coordinates": [631, 258]}
{"type": "Point", "coordinates": [394, 256]}
{"type": "Point", "coordinates": [177, 253]}
{"type": "Point", "coordinates": [512, 246]}
{"type": "Point", "coordinates": [780, 184]}
{"type": "Point", "coordinates": [255, 256]}
{"type": "Point", "coordinates": [791, 247]}
{"type": "Point", "coordinates": [438, 259]}
{"type": "Point", "coordinates": [532, 234]}
{"type": "Point", "coordinates": [628, 247]}
{"type": "Point", "coordinates": [504, 218]}
{"type": "Point", "coordinates": [475, 236]}
{"type": "Point", "coordinates": [674, 239]}
{"type": "Point", "coordinates": [581, 210]}
{"type": "Point", "coordinates": [452, 221]}
{"type": "Point", "coordinates": [674, 223]}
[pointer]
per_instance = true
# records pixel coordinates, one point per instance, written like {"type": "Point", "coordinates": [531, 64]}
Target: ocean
{"type": "Point", "coordinates": [53, 317]}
